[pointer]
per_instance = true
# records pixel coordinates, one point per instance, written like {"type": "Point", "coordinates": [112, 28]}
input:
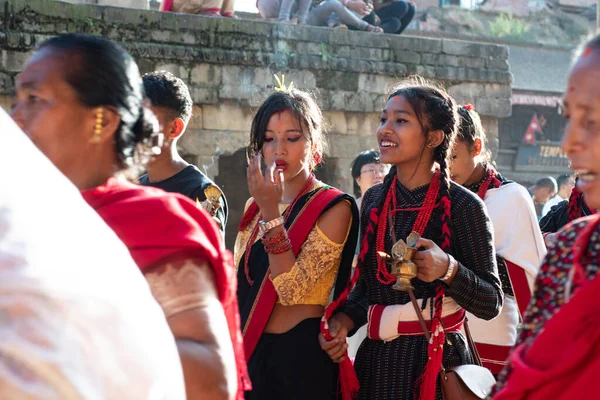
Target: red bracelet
{"type": "Point", "coordinates": [275, 240]}
{"type": "Point", "coordinates": [287, 245]}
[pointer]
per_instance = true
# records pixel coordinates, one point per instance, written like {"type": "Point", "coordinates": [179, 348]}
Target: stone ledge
{"type": "Point", "coordinates": [234, 60]}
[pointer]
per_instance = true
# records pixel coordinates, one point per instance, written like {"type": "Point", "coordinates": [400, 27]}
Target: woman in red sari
{"type": "Point", "coordinates": [557, 355]}
{"type": "Point", "coordinates": [80, 100]}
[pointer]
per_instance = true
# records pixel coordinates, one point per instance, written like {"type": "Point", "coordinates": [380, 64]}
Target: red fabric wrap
{"type": "Point", "coordinates": [375, 313]}
{"type": "Point", "coordinates": [249, 215]}
{"type": "Point", "coordinates": [157, 226]}
{"type": "Point", "coordinates": [493, 357]}
{"type": "Point", "coordinates": [520, 285]}
{"type": "Point", "coordinates": [168, 5]}
{"type": "Point", "coordinates": [563, 362]}
{"type": "Point", "coordinates": [452, 323]}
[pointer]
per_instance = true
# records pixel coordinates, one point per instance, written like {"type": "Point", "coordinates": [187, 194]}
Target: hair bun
{"type": "Point", "coordinates": [145, 126]}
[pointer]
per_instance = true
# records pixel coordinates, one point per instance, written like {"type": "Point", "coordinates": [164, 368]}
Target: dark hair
{"type": "Point", "coordinates": [470, 129]}
{"type": "Point", "coordinates": [102, 73]}
{"type": "Point", "coordinates": [547, 182]}
{"type": "Point", "coordinates": [164, 89]}
{"type": "Point", "coordinates": [364, 158]}
{"type": "Point", "coordinates": [563, 179]}
{"type": "Point", "coordinates": [302, 105]}
{"type": "Point", "coordinates": [435, 110]}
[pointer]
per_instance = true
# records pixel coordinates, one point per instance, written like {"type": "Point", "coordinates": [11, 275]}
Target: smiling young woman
{"type": "Point", "coordinates": [456, 259]}
{"type": "Point", "coordinates": [557, 355]}
{"type": "Point", "coordinates": [295, 245]}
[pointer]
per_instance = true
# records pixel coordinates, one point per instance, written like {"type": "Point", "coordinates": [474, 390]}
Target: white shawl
{"type": "Point", "coordinates": [518, 239]}
{"type": "Point", "coordinates": [77, 319]}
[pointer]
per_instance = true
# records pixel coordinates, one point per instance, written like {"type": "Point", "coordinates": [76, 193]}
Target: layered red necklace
{"type": "Point", "coordinates": [390, 208]}
{"type": "Point", "coordinates": [307, 186]}
{"type": "Point", "coordinates": [490, 181]}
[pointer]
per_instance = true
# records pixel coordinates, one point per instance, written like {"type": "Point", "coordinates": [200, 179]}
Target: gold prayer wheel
{"type": "Point", "coordinates": [401, 265]}
{"type": "Point", "coordinates": [405, 271]}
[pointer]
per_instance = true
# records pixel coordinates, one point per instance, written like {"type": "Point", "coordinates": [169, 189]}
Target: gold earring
{"type": "Point", "coordinates": [98, 126]}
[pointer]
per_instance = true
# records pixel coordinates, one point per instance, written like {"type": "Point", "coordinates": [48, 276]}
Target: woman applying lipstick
{"type": "Point", "coordinates": [456, 261]}
{"type": "Point", "coordinates": [557, 355]}
{"type": "Point", "coordinates": [519, 244]}
{"type": "Point", "coordinates": [296, 242]}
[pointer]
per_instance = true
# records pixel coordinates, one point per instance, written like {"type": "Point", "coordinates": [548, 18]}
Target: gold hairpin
{"type": "Point", "coordinates": [281, 84]}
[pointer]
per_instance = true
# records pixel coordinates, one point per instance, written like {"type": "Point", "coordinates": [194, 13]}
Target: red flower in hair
{"type": "Point", "coordinates": [468, 107]}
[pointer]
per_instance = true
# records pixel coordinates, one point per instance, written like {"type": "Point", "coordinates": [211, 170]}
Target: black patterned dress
{"type": "Point", "coordinates": [388, 370]}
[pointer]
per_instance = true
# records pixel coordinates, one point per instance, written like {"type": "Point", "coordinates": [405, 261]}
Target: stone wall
{"type": "Point", "coordinates": [229, 66]}
{"type": "Point", "coordinates": [139, 4]}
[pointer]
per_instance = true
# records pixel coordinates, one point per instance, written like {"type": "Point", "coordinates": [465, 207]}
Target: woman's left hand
{"type": "Point", "coordinates": [432, 263]}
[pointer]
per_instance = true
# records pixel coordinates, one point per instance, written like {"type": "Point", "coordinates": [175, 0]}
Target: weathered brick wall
{"type": "Point", "coordinates": [229, 66]}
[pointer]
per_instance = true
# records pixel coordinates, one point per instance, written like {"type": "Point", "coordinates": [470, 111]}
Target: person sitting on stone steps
{"type": "Point", "coordinates": [318, 12]}
{"type": "Point", "coordinates": [207, 8]}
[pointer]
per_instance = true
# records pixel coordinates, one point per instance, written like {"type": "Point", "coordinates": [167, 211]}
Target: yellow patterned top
{"type": "Point", "coordinates": [312, 277]}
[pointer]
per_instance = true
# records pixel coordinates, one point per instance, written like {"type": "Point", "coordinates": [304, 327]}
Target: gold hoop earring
{"type": "Point", "coordinates": [97, 138]}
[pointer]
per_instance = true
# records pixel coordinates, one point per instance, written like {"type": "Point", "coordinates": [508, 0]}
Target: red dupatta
{"type": "Point", "coordinates": [156, 226]}
{"type": "Point", "coordinates": [265, 301]}
{"type": "Point", "coordinates": [256, 313]}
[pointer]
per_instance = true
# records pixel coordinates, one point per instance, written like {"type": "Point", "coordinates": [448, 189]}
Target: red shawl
{"type": "Point", "coordinates": [563, 363]}
{"type": "Point", "coordinates": [156, 226]}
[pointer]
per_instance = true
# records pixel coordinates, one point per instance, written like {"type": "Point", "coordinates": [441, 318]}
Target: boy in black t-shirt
{"type": "Point", "coordinates": [172, 105]}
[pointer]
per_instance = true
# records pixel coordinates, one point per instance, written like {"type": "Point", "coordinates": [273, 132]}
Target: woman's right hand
{"type": "Point", "coordinates": [266, 190]}
{"type": "Point", "coordinates": [339, 326]}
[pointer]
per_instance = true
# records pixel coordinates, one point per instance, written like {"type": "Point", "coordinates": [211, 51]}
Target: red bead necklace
{"type": "Point", "coordinates": [425, 211]}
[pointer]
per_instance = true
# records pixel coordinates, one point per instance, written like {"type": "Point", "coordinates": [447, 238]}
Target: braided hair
{"type": "Point", "coordinates": [435, 110]}
{"type": "Point", "coordinates": [471, 129]}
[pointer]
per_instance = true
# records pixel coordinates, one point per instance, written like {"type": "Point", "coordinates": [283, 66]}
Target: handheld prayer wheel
{"type": "Point", "coordinates": [211, 204]}
{"type": "Point", "coordinates": [400, 262]}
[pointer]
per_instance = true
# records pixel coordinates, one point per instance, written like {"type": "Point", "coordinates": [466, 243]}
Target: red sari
{"type": "Point", "coordinates": [558, 353]}
{"type": "Point", "coordinates": [157, 226]}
